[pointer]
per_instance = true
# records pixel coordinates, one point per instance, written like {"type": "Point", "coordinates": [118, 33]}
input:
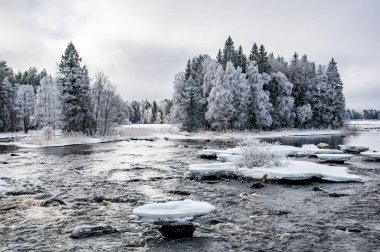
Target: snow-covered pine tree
{"type": "Point", "coordinates": [48, 105]}
{"type": "Point", "coordinates": [280, 90]}
{"type": "Point", "coordinates": [333, 79]}
{"type": "Point", "coordinates": [219, 57]}
{"type": "Point", "coordinates": [25, 105]}
{"type": "Point", "coordinates": [189, 100]}
{"type": "Point", "coordinates": [241, 59]}
{"type": "Point", "coordinates": [229, 53]}
{"type": "Point", "coordinates": [323, 112]}
{"type": "Point", "coordinates": [259, 109]}
{"type": "Point", "coordinates": [263, 63]}
{"type": "Point", "coordinates": [254, 55]}
{"type": "Point", "coordinates": [77, 109]}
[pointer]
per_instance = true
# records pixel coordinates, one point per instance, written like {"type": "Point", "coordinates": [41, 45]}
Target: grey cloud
{"type": "Point", "coordinates": [142, 44]}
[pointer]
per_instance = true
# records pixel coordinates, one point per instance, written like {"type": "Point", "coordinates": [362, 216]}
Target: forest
{"type": "Point", "coordinates": [69, 101]}
{"type": "Point", "coordinates": [261, 91]}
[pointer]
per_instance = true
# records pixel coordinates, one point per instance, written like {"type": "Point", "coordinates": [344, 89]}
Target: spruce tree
{"type": "Point", "coordinates": [76, 97]}
{"type": "Point", "coordinates": [219, 57]}
{"type": "Point", "coordinates": [333, 79]}
{"type": "Point", "coordinates": [263, 62]}
{"type": "Point", "coordinates": [229, 53]}
{"type": "Point", "coordinates": [241, 59]}
{"type": "Point", "coordinates": [254, 55]}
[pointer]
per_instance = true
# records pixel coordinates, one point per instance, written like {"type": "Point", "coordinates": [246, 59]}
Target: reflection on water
{"type": "Point", "coordinates": [80, 149]}
{"type": "Point", "coordinates": [298, 141]}
{"type": "Point", "coordinates": [7, 148]}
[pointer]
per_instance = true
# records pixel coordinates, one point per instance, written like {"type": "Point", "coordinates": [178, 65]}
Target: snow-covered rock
{"type": "Point", "coordinates": [179, 212]}
{"type": "Point", "coordinates": [323, 146]}
{"type": "Point", "coordinates": [335, 157]}
{"type": "Point", "coordinates": [356, 149]}
{"type": "Point", "coordinates": [371, 155]}
{"type": "Point", "coordinates": [295, 170]}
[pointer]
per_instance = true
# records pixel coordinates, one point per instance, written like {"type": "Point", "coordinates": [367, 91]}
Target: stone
{"type": "Point", "coordinates": [53, 202]}
{"type": "Point", "coordinates": [83, 231]}
{"type": "Point", "coordinates": [177, 231]}
{"type": "Point", "coordinates": [323, 146]}
{"type": "Point", "coordinates": [257, 185]}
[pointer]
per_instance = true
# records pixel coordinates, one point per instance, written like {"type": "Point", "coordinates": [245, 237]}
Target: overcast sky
{"type": "Point", "coordinates": [141, 45]}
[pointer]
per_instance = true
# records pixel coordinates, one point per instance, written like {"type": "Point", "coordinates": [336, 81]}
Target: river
{"type": "Point", "coordinates": [103, 183]}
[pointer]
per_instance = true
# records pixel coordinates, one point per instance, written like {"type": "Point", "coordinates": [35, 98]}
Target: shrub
{"type": "Point", "coordinates": [256, 153]}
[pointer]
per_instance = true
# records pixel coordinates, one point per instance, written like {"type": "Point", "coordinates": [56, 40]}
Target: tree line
{"type": "Point", "coordinates": [69, 101]}
{"type": "Point", "coordinates": [366, 114]}
{"type": "Point", "coordinates": [261, 91]}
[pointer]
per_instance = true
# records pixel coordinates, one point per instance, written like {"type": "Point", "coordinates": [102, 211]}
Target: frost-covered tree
{"type": "Point", "coordinates": [304, 114]}
{"type": "Point", "coordinates": [278, 64]}
{"type": "Point", "coordinates": [280, 90]}
{"type": "Point", "coordinates": [263, 62]}
{"type": "Point", "coordinates": [48, 104]}
{"type": "Point", "coordinates": [323, 113]}
{"type": "Point", "coordinates": [7, 99]}
{"type": "Point", "coordinates": [222, 111]}
{"type": "Point", "coordinates": [333, 79]}
{"type": "Point", "coordinates": [25, 104]}
{"type": "Point", "coordinates": [77, 111]}
{"type": "Point", "coordinates": [189, 103]}
{"type": "Point", "coordinates": [109, 109]}
{"type": "Point", "coordinates": [260, 108]}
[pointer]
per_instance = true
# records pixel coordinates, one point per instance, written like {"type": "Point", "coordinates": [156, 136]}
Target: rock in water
{"type": "Point", "coordinates": [88, 231]}
{"type": "Point", "coordinates": [177, 231]}
{"type": "Point", "coordinates": [323, 146]}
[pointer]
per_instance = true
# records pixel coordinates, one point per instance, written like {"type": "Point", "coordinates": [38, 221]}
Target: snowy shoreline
{"type": "Point", "coordinates": [35, 138]}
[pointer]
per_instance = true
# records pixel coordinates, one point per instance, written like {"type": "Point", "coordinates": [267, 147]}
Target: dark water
{"type": "Point", "coordinates": [103, 183]}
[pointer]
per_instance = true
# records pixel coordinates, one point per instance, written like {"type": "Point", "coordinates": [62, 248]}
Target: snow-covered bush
{"type": "Point", "coordinates": [48, 132]}
{"type": "Point", "coordinates": [256, 153]}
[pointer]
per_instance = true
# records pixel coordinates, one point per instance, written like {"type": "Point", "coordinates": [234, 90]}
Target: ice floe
{"type": "Point", "coordinates": [173, 211]}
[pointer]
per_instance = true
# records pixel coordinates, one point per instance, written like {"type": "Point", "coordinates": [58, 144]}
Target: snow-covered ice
{"type": "Point", "coordinates": [353, 148]}
{"type": "Point", "coordinates": [335, 157]}
{"type": "Point", "coordinates": [371, 155]}
{"type": "Point", "coordinates": [226, 157]}
{"type": "Point", "coordinates": [295, 170]}
{"type": "Point", "coordinates": [173, 211]}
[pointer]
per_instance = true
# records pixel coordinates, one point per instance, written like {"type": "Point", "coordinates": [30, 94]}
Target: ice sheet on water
{"type": "Point", "coordinates": [295, 170]}
{"type": "Point", "coordinates": [173, 211]}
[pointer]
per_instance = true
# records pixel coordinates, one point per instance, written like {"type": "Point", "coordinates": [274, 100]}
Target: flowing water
{"type": "Point", "coordinates": [103, 183]}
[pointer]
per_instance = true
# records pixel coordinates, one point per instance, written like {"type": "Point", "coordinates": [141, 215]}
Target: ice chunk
{"type": "Point", "coordinates": [335, 157]}
{"type": "Point", "coordinates": [3, 185]}
{"type": "Point", "coordinates": [173, 211]}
